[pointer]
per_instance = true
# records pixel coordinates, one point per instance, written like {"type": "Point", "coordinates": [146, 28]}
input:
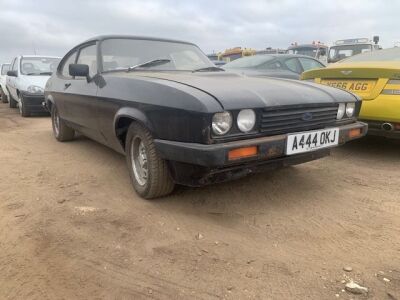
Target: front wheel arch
{"type": "Point", "coordinates": [49, 103]}
{"type": "Point", "coordinates": [124, 118]}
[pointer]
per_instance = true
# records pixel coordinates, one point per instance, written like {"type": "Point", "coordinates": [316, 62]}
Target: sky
{"type": "Point", "coordinates": [52, 27]}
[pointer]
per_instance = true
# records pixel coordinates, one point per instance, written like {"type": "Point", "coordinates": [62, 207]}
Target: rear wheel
{"type": "Point", "coordinates": [12, 102]}
{"type": "Point", "coordinates": [61, 131]}
{"type": "Point", "coordinates": [3, 97]}
{"type": "Point", "coordinates": [149, 173]}
{"type": "Point", "coordinates": [23, 109]}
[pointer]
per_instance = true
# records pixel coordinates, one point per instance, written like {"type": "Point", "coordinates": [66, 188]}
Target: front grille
{"type": "Point", "coordinates": [286, 119]}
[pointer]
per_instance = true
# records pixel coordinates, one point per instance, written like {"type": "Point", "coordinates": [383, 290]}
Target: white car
{"type": "Point", "coordinates": [3, 74]}
{"type": "Point", "coordinates": [26, 80]}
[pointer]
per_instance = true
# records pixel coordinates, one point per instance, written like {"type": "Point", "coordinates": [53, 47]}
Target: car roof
{"type": "Point", "coordinates": [39, 56]}
{"type": "Point", "coordinates": [133, 37]}
{"type": "Point", "coordinates": [286, 55]}
{"type": "Point", "coordinates": [316, 46]}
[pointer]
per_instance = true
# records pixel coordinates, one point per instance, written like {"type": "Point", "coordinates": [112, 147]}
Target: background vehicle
{"type": "Point", "coordinates": [25, 82]}
{"type": "Point", "coordinates": [218, 63]}
{"type": "Point", "coordinates": [179, 119]}
{"type": "Point", "coordinates": [270, 50]}
{"type": "Point", "coordinates": [315, 50]}
{"type": "Point", "coordinates": [347, 48]}
{"type": "Point", "coordinates": [278, 65]}
{"type": "Point", "coordinates": [235, 53]}
{"type": "Point", "coordinates": [375, 77]}
{"type": "Point", "coordinates": [3, 90]}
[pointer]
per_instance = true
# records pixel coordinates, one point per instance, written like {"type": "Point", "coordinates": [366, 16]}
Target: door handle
{"type": "Point", "coordinates": [67, 85]}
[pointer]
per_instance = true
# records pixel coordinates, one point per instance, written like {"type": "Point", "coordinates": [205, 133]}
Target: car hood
{"type": "Point", "coordinates": [373, 70]}
{"type": "Point", "coordinates": [37, 80]}
{"type": "Point", "coordinates": [234, 91]}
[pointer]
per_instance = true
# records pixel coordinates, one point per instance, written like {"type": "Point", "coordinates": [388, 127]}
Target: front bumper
{"type": "Point", "coordinates": [199, 164]}
{"type": "Point", "coordinates": [34, 103]}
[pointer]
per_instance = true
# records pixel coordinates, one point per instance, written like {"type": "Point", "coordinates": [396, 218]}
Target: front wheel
{"type": "Point", "coordinates": [23, 109]}
{"type": "Point", "coordinates": [149, 173]}
{"type": "Point", "coordinates": [61, 131]}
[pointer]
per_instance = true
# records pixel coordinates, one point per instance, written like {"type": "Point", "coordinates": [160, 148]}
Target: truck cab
{"type": "Point", "coordinates": [315, 50]}
{"type": "Point", "coordinates": [347, 48]}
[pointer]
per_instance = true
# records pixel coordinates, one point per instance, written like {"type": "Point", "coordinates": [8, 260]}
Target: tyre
{"type": "Point", "coordinates": [3, 97]}
{"type": "Point", "coordinates": [61, 131]}
{"type": "Point", "coordinates": [12, 102]}
{"type": "Point", "coordinates": [149, 173]}
{"type": "Point", "coordinates": [23, 109]}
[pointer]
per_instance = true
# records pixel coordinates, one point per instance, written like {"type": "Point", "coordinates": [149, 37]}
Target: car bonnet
{"type": "Point", "coordinates": [234, 91]}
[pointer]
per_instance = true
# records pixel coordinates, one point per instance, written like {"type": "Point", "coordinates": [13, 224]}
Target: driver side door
{"type": "Point", "coordinates": [80, 94]}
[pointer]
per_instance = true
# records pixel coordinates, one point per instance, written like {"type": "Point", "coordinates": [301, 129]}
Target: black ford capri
{"type": "Point", "coordinates": [178, 119]}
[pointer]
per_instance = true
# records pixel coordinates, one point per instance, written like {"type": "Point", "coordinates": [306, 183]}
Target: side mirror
{"type": "Point", "coordinates": [12, 73]}
{"type": "Point", "coordinates": [79, 70]}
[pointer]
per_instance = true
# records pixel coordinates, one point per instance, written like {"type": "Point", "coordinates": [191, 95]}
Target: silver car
{"type": "Point", "coordinates": [26, 80]}
{"type": "Point", "coordinates": [3, 74]}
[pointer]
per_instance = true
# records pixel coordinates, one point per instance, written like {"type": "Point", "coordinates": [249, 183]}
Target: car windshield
{"type": "Point", "coordinates": [391, 54]}
{"type": "Point", "coordinates": [340, 52]}
{"type": "Point", "coordinates": [123, 53]}
{"type": "Point", "coordinates": [39, 65]}
{"type": "Point", "coordinates": [4, 69]}
{"type": "Point", "coordinates": [248, 62]}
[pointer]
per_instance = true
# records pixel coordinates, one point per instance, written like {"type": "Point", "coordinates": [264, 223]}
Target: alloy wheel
{"type": "Point", "coordinates": [56, 121]}
{"type": "Point", "coordinates": [139, 160]}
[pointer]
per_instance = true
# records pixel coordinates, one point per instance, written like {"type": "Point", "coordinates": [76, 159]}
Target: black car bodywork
{"type": "Point", "coordinates": [288, 66]}
{"type": "Point", "coordinates": [177, 109]}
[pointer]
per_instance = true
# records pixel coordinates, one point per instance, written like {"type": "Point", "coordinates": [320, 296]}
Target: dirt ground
{"type": "Point", "coordinates": [71, 226]}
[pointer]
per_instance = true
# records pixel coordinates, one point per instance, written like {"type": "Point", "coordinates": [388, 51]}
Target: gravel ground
{"type": "Point", "coordinates": [71, 226]}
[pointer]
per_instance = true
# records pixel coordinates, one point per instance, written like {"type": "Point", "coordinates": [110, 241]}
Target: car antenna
{"type": "Point", "coordinates": [34, 48]}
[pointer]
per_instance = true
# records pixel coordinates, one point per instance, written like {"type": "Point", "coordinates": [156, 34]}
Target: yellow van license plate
{"type": "Point", "coordinates": [351, 85]}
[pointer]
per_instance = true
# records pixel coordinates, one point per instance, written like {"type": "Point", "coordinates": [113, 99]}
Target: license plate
{"type": "Point", "coordinates": [311, 140]}
{"type": "Point", "coordinates": [360, 86]}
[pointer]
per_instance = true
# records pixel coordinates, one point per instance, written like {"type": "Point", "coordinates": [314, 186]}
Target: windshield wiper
{"type": "Point", "coordinates": [208, 69]}
{"type": "Point", "coordinates": [151, 63]}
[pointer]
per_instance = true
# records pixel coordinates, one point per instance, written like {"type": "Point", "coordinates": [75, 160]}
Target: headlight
{"type": "Point", "coordinates": [33, 89]}
{"type": "Point", "coordinates": [246, 120]}
{"type": "Point", "coordinates": [341, 111]}
{"type": "Point", "coordinates": [221, 123]}
{"type": "Point", "coordinates": [350, 108]}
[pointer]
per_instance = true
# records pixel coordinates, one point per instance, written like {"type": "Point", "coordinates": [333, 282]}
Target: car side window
{"type": "Point", "coordinates": [308, 64]}
{"type": "Point", "coordinates": [88, 56]}
{"type": "Point", "coordinates": [275, 65]}
{"type": "Point", "coordinates": [65, 68]}
{"type": "Point", "coordinates": [4, 69]}
{"type": "Point", "coordinates": [293, 65]}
